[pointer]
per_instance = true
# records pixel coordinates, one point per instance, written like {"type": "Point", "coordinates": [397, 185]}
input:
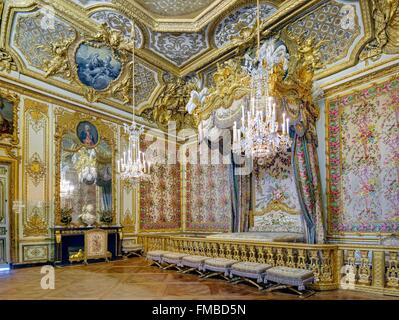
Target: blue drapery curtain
{"type": "Point", "coordinates": [241, 197]}
{"type": "Point", "coordinates": [307, 179]}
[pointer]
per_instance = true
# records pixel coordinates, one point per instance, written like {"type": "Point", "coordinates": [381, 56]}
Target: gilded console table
{"type": "Point", "coordinates": [68, 237]}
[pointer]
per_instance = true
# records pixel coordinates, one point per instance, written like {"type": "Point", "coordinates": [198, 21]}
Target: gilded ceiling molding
{"type": "Point", "coordinates": [171, 104]}
{"type": "Point", "coordinates": [6, 61]}
{"type": "Point", "coordinates": [175, 23]}
{"type": "Point", "coordinates": [117, 21]}
{"type": "Point", "coordinates": [231, 83]}
{"type": "Point", "coordinates": [179, 48]}
{"type": "Point", "coordinates": [385, 15]}
{"type": "Point", "coordinates": [243, 17]}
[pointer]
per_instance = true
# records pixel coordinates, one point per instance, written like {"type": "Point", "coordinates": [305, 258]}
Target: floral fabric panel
{"type": "Point", "coordinates": [364, 160]}
{"type": "Point", "coordinates": [209, 202]}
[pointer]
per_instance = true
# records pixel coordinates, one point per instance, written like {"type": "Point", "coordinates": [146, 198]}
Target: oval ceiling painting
{"type": "Point", "coordinates": [97, 65]}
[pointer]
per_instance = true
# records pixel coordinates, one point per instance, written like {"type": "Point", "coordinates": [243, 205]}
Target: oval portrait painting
{"type": "Point", "coordinates": [97, 66]}
{"type": "Point", "coordinates": [87, 133]}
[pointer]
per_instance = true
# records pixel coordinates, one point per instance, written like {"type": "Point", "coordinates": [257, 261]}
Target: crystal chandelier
{"type": "Point", "coordinates": [258, 135]}
{"type": "Point", "coordinates": [133, 166]}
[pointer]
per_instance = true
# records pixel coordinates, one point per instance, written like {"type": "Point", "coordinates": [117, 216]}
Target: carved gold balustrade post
{"type": "Point", "coordinates": [326, 273]}
{"type": "Point", "coordinates": [280, 257]}
{"type": "Point", "coordinates": [252, 254]}
{"type": "Point", "coordinates": [364, 268]}
{"type": "Point", "coordinates": [314, 264]}
{"type": "Point", "coordinates": [236, 252]}
{"type": "Point", "coordinates": [221, 250]}
{"type": "Point", "coordinates": [378, 271]}
{"type": "Point", "coordinates": [261, 256]}
{"type": "Point", "coordinates": [290, 258]}
{"type": "Point", "coordinates": [208, 250]}
{"type": "Point", "coordinates": [301, 264]}
{"type": "Point", "coordinates": [228, 251]}
{"type": "Point", "coordinates": [270, 256]}
{"type": "Point", "coordinates": [201, 248]}
{"type": "Point", "coordinates": [243, 250]}
{"type": "Point", "coordinates": [214, 249]}
{"type": "Point", "coordinates": [392, 270]}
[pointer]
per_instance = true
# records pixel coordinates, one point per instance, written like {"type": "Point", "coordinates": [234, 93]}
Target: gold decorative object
{"type": "Point", "coordinates": [171, 104]}
{"type": "Point", "coordinates": [60, 63]}
{"type": "Point", "coordinates": [76, 257]}
{"type": "Point", "coordinates": [128, 222]}
{"type": "Point", "coordinates": [296, 87]}
{"type": "Point", "coordinates": [36, 168]}
{"type": "Point", "coordinates": [392, 273]}
{"type": "Point", "coordinates": [36, 224]}
{"type": "Point", "coordinates": [231, 83]}
{"type": "Point", "coordinates": [385, 14]}
{"type": "Point", "coordinates": [6, 61]}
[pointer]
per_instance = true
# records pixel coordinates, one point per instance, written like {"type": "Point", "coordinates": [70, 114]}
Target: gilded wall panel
{"type": "Point", "coordinates": [35, 163]}
{"type": "Point", "coordinates": [128, 198]}
{"type": "Point", "coordinates": [35, 253]}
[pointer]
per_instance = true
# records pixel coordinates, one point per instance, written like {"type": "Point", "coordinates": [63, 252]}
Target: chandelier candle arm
{"type": "Point", "coordinates": [258, 133]}
{"type": "Point", "coordinates": [133, 166]}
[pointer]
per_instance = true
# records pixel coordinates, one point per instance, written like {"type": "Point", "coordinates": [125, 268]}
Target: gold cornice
{"type": "Point", "coordinates": [175, 24]}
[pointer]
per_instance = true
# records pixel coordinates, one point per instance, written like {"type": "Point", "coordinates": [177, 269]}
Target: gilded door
{"type": "Point", "coordinates": [4, 215]}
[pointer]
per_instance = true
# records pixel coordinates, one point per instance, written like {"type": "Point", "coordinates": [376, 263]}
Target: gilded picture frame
{"type": "Point", "coordinates": [66, 123]}
{"type": "Point", "coordinates": [9, 108]}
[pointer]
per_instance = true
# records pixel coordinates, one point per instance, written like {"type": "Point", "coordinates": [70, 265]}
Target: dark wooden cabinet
{"type": "Point", "coordinates": [70, 239]}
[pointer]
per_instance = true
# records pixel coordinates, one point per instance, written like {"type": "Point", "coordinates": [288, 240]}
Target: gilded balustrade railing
{"type": "Point", "coordinates": [318, 258]}
{"type": "Point", "coordinates": [369, 268]}
{"type": "Point", "coordinates": [347, 266]}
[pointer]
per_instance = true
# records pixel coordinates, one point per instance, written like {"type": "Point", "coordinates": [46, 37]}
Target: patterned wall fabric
{"type": "Point", "coordinates": [363, 142]}
{"type": "Point", "coordinates": [160, 204]}
{"type": "Point", "coordinates": [276, 195]}
{"type": "Point", "coordinates": [208, 198]}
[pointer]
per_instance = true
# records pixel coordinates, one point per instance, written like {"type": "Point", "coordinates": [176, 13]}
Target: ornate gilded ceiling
{"type": "Point", "coordinates": [177, 37]}
{"type": "Point", "coordinates": [175, 8]}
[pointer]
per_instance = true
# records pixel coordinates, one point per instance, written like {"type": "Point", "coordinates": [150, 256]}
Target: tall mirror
{"type": "Point", "coordinates": [85, 176]}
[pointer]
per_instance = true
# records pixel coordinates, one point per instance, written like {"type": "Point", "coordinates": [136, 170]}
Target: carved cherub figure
{"type": "Point", "coordinates": [59, 64]}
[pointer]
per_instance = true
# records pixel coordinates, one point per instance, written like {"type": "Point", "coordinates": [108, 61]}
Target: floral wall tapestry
{"type": "Point", "coordinates": [277, 207]}
{"type": "Point", "coordinates": [208, 196]}
{"type": "Point", "coordinates": [364, 160]}
{"type": "Point", "coordinates": [160, 201]}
